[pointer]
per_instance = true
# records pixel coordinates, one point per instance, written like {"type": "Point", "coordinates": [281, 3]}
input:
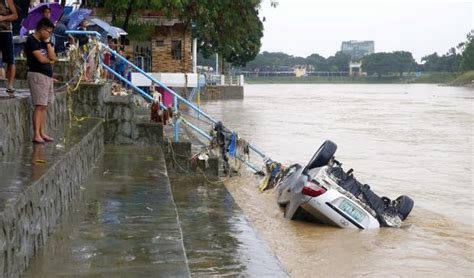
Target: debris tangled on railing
{"type": "Point", "coordinates": [221, 138]}
{"type": "Point", "coordinates": [274, 173]}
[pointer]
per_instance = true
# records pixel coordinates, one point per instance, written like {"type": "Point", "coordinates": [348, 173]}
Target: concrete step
{"type": "Point", "coordinates": [218, 238]}
{"type": "Point", "coordinates": [37, 184]}
{"type": "Point", "coordinates": [125, 225]}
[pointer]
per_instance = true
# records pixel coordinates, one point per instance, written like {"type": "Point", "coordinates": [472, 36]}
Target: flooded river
{"type": "Point", "coordinates": [401, 139]}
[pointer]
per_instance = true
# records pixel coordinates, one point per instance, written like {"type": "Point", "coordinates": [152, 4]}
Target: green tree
{"type": "Point", "coordinates": [379, 63]}
{"type": "Point", "coordinates": [403, 62]}
{"type": "Point", "coordinates": [232, 29]}
{"type": "Point", "coordinates": [338, 62]}
{"type": "Point", "coordinates": [467, 60]}
{"type": "Point", "coordinates": [448, 62]}
{"type": "Point", "coordinates": [274, 61]}
{"type": "Point", "coordinates": [317, 61]}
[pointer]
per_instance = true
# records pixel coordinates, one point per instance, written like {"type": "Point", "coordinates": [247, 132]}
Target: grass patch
{"type": "Point", "coordinates": [432, 78]}
{"type": "Point", "coordinates": [435, 77]}
{"type": "Point", "coordinates": [466, 78]}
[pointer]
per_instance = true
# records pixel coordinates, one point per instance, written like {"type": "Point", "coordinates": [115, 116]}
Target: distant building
{"type": "Point", "coordinates": [299, 70]}
{"type": "Point", "coordinates": [357, 49]}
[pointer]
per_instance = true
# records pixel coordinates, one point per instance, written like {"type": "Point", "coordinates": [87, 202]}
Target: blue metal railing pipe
{"type": "Point", "coordinates": [77, 32]}
{"type": "Point", "coordinates": [205, 135]}
{"type": "Point", "coordinates": [140, 91]}
{"type": "Point", "coordinates": [194, 107]}
{"type": "Point", "coordinates": [151, 78]}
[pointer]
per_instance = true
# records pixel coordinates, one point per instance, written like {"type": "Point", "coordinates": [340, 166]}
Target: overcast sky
{"type": "Point", "coordinates": [303, 27]}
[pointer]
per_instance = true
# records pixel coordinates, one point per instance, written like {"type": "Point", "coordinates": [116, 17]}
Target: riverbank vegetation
{"type": "Point", "coordinates": [434, 78]}
{"type": "Point", "coordinates": [452, 67]}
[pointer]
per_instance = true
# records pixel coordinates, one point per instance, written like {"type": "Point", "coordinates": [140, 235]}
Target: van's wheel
{"type": "Point", "coordinates": [404, 206]}
{"type": "Point", "coordinates": [323, 155]}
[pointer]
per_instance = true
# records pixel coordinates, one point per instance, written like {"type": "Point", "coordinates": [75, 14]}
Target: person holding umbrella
{"type": "Point", "coordinates": [40, 58]}
{"type": "Point", "coordinates": [51, 11]}
{"type": "Point", "coordinates": [46, 12]}
{"type": "Point", "coordinates": [8, 13]}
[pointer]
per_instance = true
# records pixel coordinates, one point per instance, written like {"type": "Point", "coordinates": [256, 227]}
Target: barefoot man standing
{"type": "Point", "coordinates": [40, 57]}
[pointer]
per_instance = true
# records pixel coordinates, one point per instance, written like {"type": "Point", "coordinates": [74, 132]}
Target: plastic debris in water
{"type": "Point", "coordinates": [59, 146]}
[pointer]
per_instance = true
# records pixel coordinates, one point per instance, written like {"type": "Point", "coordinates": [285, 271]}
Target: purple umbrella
{"type": "Point", "coordinates": [76, 17]}
{"type": "Point", "coordinates": [35, 14]}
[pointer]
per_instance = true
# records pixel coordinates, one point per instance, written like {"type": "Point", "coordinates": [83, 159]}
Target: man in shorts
{"type": "Point", "coordinates": [8, 14]}
{"type": "Point", "coordinates": [40, 58]}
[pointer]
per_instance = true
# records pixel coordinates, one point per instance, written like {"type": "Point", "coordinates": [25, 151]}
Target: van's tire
{"type": "Point", "coordinates": [404, 206]}
{"type": "Point", "coordinates": [323, 155]}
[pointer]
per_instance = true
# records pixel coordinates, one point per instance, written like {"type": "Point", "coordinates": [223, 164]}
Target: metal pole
{"type": "Point", "coordinates": [140, 91]}
{"type": "Point", "coordinates": [176, 120]}
{"type": "Point", "coordinates": [195, 55]}
{"type": "Point", "coordinates": [77, 32]}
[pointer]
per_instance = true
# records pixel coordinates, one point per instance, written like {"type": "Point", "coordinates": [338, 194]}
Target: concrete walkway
{"type": "Point", "coordinates": [124, 225]}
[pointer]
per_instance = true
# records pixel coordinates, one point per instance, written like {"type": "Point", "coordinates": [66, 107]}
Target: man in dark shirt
{"type": "Point", "coordinates": [40, 57]}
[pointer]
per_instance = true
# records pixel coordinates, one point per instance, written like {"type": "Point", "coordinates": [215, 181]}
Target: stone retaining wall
{"type": "Point", "coordinates": [26, 224]}
{"type": "Point", "coordinates": [60, 69]}
{"type": "Point", "coordinates": [16, 121]}
{"type": "Point", "coordinates": [121, 125]}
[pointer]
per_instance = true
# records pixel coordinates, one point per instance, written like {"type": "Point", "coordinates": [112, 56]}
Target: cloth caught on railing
{"type": "Point", "coordinates": [219, 139]}
{"type": "Point", "coordinates": [274, 173]}
{"type": "Point", "coordinates": [233, 144]}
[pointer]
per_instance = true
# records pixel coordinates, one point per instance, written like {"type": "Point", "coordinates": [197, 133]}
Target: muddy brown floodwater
{"type": "Point", "coordinates": [401, 139]}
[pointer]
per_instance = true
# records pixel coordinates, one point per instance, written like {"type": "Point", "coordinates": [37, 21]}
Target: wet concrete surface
{"type": "Point", "coordinates": [19, 93]}
{"type": "Point", "coordinates": [218, 238]}
{"type": "Point", "coordinates": [20, 170]}
{"type": "Point", "coordinates": [129, 222]}
{"type": "Point", "coordinates": [124, 224]}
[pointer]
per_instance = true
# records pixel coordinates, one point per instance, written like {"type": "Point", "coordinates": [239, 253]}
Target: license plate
{"type": "Point", "coordinates": [352, 210]}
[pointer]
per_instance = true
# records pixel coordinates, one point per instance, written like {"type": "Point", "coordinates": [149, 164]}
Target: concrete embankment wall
{"type": "Point", "coordinates": [222, 92]}
{"type": "Point", "coordinates": [30, 216]}
{"type": "Point", "coordinates": [33, 195]}
{"type": "Point", "coordinates": [122, 126]}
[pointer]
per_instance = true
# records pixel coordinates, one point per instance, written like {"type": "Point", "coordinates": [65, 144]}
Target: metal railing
{"type": "Point", "coordinates": [177, 97]}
